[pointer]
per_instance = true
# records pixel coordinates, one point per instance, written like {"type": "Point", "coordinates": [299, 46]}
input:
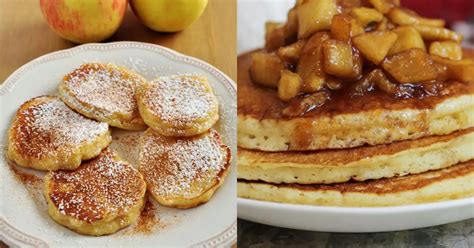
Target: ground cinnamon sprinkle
{"type": "Point", "coordinates": [33, 183]}
{"type": "Point", "coordinates": [148, 221]}
{"type": "Point", "coordinates": [26, 178]}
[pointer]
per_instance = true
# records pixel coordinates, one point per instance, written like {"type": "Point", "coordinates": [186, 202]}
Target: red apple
{"type": "Point", "coordinates": [83, 21]}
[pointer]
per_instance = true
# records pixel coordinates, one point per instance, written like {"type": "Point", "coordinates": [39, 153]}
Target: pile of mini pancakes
{"type": "Point", "coordinates": [368, 151]}
{"type": "Point", "coordinates": [89, 188]}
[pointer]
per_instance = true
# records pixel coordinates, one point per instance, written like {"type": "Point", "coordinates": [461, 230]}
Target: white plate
{"type": "Point", "coordinates": [355, 220]}
{"type": "Point", "coordinates": [24, 222]}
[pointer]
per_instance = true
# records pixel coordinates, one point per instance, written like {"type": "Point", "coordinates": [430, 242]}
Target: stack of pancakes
{"type": "Point", "coordinates": [375, 150]}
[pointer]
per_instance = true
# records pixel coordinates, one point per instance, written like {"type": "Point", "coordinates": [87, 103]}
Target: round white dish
{"type": "Point", "coordinates": [23, 224]}
{"type": "Point", "coordinates": [355, 220]}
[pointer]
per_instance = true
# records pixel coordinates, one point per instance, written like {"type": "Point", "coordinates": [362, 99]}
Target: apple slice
{"type": "Point", "coordinates": [437, 33]}
{"type": "Point", "coordinates": [292, 52]}
{"type": "Point", "coordinates": [289, 85]}
{"type": "Point", "coordinates": [375, 45]}
{"type": "Point", "coordinates": [311, 58]}
{"type": "Point", "coordinates": [338, 58]}
{"type": "Point", "coordinates": [344, 27]}
{"type": "Point", "coordinates": [413, 66]}
{"type": "Point", "coordinates": [366, 15]}
{"type": "Point", "coordinates": [314, 15]}
{"type": "Point", "coordinates": [447, 49]}
{"type": "Point", "coordinates": [384, 6]}
{"type": "Point", "coordinates": [408, 38]}
{"type": "Point", "coordinates": [265, 69]}
{"type": "Point", "coordinates": [404, 17]}
{"type": "Point", "coordinates": [461, 70]}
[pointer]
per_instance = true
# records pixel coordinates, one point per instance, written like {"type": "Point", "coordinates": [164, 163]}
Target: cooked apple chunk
{"type": "Point", "coordinates": [413, 66]}
{"type": "Point", "coordinates": [437, 33]}
{"type": "Point", "coordinates": [334, 84]}
{"type": "Point", "coordinates": [383, 25]}
{"type": "Point", "coordinates": [447, 49]}
{"type": "Point", "coordinates": [289, 85]}
{"type": "Point", "coordinates": [291, 53]}
{"type": "Point", "coordinates": [314, 15]}
{"type": "Point", "coordinates": [278, 35]}
{"type": "Point", "coordinates": [310, 65]}
{"type": "Point", "coordinates": [408, 38]}
{"type": "Point", "coordinates": [366, 15]}
{"type": "Point", "coordinates": [338, 58]}
{"type": "Point", "coordinates": [274, 36]}
{"type": "Point", "coordinates": [384, 6]}
{"type": "Point", "coordinates": [462, 70]}
{"type": "Point", "coordinates": [406, 17]}
{"type": "Point", "coordinates": [314, 82]}
{"type": "Point", "coordinates": [375, 45]}
{"type": "Point", "coordinates": [311, 58]}
{"type": "Point", "coordinates": [271, 26]}
{"type": "Point", "coordinates": [291, 27]}
{"type": "Point", "coordinates": [344, 27]}
{"type": "Point", "coordinates": [382, 82]}
{"type": "Point", "coordinates": [265, 69]}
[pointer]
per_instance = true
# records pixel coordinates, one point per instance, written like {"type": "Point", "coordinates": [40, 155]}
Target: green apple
{"type": "Point", "coordinates": [83, 21]}
{"type": "Point", "coordinates": [168, 15]}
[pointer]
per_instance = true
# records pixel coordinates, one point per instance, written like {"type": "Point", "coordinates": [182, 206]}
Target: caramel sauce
{"type": "Point", "coordinates": [304, 137]}
{"type": "Point", "coordinates": [263, 103]}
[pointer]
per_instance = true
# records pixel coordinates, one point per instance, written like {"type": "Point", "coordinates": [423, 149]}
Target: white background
{"type": "Point", "coordinates": [251, 18]}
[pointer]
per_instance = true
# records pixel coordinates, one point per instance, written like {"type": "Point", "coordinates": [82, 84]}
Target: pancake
{"type": "Point", "coordinates": [183, 172]}
{"type": "Point", "coordinates": [446, 184]}
{"type": "Point", "coordinates": [344, 122]}
{"type": "Point", "coordinates": [358, 164]}
{"type": "Point", "coordinates": [100, 197]}
{"type": "Point", "coordinates": [178, 105]}
{"type": "Point", "coordinates": [104, 92]}
{"type": "Point", "coordinates": [47, 135]}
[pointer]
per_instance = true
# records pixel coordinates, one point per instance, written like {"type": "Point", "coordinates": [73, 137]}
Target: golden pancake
{"type": "Point", "coordinates": [344, 122]}
{"type": "Point", "coordinates": [360, 163]}
{"type": "Point", "coordinates": [47, 135]}
{"type": "Point", "coordinates": [104, 92]}
{"type": "Point", "coordinates": [102, 196]}
{"type": "Point", "coordinates": [178, 105]}
{"type": "Point", "coordinates": [446, 184]}
{"type": "Point", "coordinates": [183, 172]}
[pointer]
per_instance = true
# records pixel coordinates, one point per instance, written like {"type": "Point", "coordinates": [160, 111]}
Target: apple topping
{"type": "Point", "coordinates": [413, 66]}
{"type": "Point", "coordinates": [265, 69]}
{"type": "Point", "coordinates": [358, 47]}
{"type": "Point", "coordinates": [375, 45]}
{"type": "Point", "coordinates": [314, 15]}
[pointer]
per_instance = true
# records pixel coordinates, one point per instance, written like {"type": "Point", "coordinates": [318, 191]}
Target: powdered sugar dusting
{"type": "Point", "coordinates": [104, 86]}
{"type": "Point", "coordinates": [179, 100]}
{"type": "Point", "coordinates": [98, 188]}
{"type": "Point", "coordinates": [174, 165]}
{"type": "Point", "coordinates": [49, 125]}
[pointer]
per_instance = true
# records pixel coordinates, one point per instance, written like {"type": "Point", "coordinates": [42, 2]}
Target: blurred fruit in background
{"type": "Point", "coordinates": [168, 15]}
{"type": "Point", "coordinates": [459, 15]}
{"type": "Point", "coordinates": [83, 21]}
{"type": "Point", "coordinates": [449, 10]}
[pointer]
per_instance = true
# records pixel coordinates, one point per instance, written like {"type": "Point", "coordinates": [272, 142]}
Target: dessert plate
{"type": "Point", "coordinates": [355, 220]}
{"type": "Point", "coordinates": [24, 221]}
